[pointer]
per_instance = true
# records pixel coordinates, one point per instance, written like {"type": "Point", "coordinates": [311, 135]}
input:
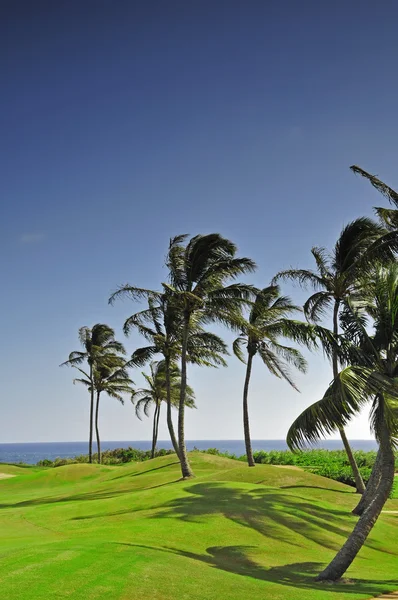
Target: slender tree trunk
{"type": "Point", "coordinates": [90, 439]}
{"type": "Point", "coordinates": [359, 484]}
{"type": "Point", "coordinates": [157, 425]}
{"type": "Point", "coordinates": [154, 431]}
{"type": "Point", "coordinates": [371, 488]}
{"type": "Point", "coordinates": [97, 428]}
{"type": "Point", "coordinates": [185, 466]}
{"type": "Point", "coordinates": [246, 425]}
{"type": "Point", "coordinates": [348, 552]}
{"type": "Point", "coordinates": [169, 415]}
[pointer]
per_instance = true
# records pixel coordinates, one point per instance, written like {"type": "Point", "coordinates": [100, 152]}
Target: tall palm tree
{"type": "Point", "coordinates": [200, 275]}
{"type": "Point", "coordinates": [156, 393]}
{"type": "Point", "coordinates": [96, 341]}
{"type": "Point", "coordinates": [160, 324]}
{"type": "Point", "coordinates": [112, 378]}
{"type": "Point", "coordinates": [268, 321]}
{"type": "Point", "coordinates": [197, 293]}
{"type": "Point", "coordinates": [373, 379]}
{"type": "Point", "coordinates": [335, 281]}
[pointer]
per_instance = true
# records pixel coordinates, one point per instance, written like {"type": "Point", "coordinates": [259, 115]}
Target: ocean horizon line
{"type": "Point", "coordinates": [147, 440]}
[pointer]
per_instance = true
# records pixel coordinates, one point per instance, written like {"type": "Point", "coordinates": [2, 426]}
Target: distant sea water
{"type": "Point", "coordinates": [32, 453]}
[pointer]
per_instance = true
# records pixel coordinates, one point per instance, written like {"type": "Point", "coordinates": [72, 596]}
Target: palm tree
{"type": "Point", "coordinates": [156, 393]}
{"type": "Point", "coordinates": [372, 379]}
{"type": "Point", "coordinates": [199, 273]}
{"type": "Point", "coordinates": [335, 281]}
{"type": "Point", "coordinates": [268, 320]}
{"type": "Point", "coordinates": [161, 326]}
{"type": "Point", "coordinates": [96, 342]}
{"type": "Point", "coordinates": [112, 378]}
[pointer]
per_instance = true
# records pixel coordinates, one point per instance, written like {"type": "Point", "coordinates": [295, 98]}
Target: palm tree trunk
{"type": "Point", "coordinates": [154, 431]}
{"type": "Point", "coordinates": [348, 552]}
{"type": "Point", "coordinates": [246, 425]}
{"type": "Point", "coordinates": [371, 488]}
{"type": "Point", "coordinates": [185, 466]}
{"type": "Point", "coordinates": [169, 415]}
{"type": "Point", "coordinates": [157, 425]}
{"type": "Point", "coordinates": [359, 484]}
{"type": "Point", "coordinates": [97, 428]}
{"type": "Point", "coordinates": [90, 439]}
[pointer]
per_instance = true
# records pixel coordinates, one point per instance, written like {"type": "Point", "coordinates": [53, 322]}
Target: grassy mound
{"type": "Point", "coordinates": [136, 532]}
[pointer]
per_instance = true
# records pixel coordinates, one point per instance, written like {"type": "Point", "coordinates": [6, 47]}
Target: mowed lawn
{"type": "Point", "coordinates": [136, 532]}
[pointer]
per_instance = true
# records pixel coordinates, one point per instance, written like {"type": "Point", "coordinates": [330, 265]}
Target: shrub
{"type": "Point", "coordinates": [109, 457]}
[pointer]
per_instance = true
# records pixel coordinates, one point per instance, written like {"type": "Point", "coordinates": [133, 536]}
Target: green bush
{"type": "Point", "coordinates": [109, 457]}
{"type": "Point", "coordinates": [333, 464]}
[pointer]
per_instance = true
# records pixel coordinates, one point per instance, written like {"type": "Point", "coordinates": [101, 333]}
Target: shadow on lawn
{"type": "Point", "coordinates": [316, 487]}
{"type": "Point", "coordinates": [144, 472]}
{"type": "Point", "coordinates": [236, 559]}
{"type": "Point", "coordinates": [272, 513]}
{"type": "Point", "coordinates": [98, 495]}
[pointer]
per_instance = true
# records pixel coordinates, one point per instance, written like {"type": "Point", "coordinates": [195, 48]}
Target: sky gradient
{"type": "Point", "coordinates": [124, 123]}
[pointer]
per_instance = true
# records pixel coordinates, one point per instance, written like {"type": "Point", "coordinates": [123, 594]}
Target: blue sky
{"type": "Point", "coordinates": [123, 123]}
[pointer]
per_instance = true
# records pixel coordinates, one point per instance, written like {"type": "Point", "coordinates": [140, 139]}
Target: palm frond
{"type": "Point", "coordinates": [322, 259]}
{"type": "Point", "coordinates": [289, 355]}
{"type": "Point", "coordinates": [133, 293]}
{"type": "Point", "coordinates": [237, 348]}
{"type": "Point", "coordinates": [317, 306]}
{"type": "Point", "coordinates": [344, 398]}
{"type": "Point", "coordinates": [303, 277]}
{"type": "Point", "coordinates": [274, 365]}
{"type": "Point", "coordinates": [141, 356]}
{"type": "Point", "coordinates": [380, 186]}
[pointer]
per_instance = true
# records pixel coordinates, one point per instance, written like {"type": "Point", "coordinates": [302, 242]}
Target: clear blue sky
{"type": "Point", "coordinates": [123, 123]}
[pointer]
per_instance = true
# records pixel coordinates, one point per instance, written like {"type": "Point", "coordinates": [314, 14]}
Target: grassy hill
{"type": "Point", "coordinates": [135, 532]}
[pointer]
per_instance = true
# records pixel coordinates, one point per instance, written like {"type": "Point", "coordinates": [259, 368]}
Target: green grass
{"type": "Point", "coordinates": [135, 532]}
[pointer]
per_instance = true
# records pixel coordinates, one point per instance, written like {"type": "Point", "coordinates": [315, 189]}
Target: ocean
{"type": "Point", "coordinates": [32, 453]}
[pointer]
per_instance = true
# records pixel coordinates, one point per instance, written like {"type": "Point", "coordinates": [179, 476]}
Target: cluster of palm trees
{"type": "Point", "coordinates": [356, 285]}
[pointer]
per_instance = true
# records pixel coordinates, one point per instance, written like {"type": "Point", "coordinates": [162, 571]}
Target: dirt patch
{"type": "Point", "coordinates": [5, 475]}
{"type": "Point", "coordinates": [294, 467]}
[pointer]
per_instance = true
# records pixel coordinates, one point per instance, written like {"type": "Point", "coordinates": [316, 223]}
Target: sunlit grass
{"type": "Point", "coordinates": [136, 532]}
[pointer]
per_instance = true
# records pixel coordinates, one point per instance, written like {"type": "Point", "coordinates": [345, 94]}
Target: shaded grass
{"type": "Point", "coordinates": [139, 532]}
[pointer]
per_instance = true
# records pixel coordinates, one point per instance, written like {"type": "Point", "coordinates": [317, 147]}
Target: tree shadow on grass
{"type": "Point", "coordinates": [266, 510]}
{"type": "Point", "coordinates": [86, 496]}
{"type": "Point", "coordinates": [316, 487]}
{"type": "Point", "coordinates": [270, 512]}
{"type": "Point", "coordinates": [236, 559]}
{"type": "Point", "coordinates": [144, 472]}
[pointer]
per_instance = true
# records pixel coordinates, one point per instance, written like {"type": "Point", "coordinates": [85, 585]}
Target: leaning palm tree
{"type": "Point", "coordinates": [335, 280]}
{"type": "Point", "coordinates": [268, 321]}
{"type": "Point", "coordinates": [156, 393]}
{"type": "Point", "coordinates": [96, 341]}
{"type": "Point", "coordinates": [372, 379]}
{"type": "Point", "coordinates": [200, 273]}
